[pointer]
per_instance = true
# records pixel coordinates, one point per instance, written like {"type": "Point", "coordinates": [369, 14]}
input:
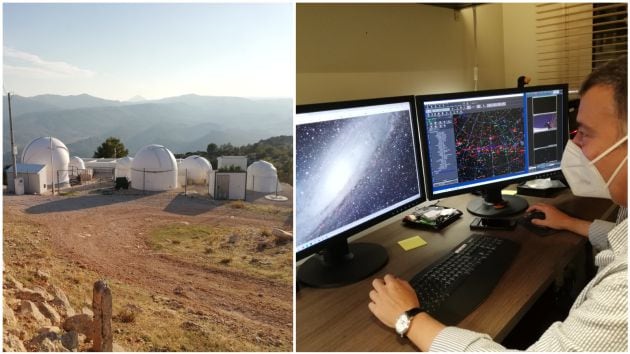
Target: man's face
{"type": "Point", "coordinates": [599, 128]}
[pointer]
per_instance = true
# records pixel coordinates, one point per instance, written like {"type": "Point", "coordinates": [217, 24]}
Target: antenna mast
{"type": "Point", "coordinates": [13, 147]}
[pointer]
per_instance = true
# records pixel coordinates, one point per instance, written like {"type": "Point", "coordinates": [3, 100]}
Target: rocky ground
{"type": "Point", "coordinates": [171, 299]}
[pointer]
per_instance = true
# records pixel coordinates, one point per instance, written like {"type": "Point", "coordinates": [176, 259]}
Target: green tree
{"type": "Point", "coordinates": [112, 147]}
{"type": "Point", "coordinates": [212, 149]}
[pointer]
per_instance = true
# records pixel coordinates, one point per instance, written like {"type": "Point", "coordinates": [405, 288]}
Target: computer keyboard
{"type": "Point", "coordinates": [456, 284]}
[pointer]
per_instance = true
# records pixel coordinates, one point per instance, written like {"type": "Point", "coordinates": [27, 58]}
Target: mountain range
{"type": "Point", "coordinates": [182, 124]}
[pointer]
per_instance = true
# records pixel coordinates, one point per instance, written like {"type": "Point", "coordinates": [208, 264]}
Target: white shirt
{"type": "Point", "coordinates": [598, 319]}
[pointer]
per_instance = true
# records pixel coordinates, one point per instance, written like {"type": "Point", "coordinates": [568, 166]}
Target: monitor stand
{"type": "Point", "coordinates": [341, 264]}
{"type": "Point", "coordinates": [493, 204]}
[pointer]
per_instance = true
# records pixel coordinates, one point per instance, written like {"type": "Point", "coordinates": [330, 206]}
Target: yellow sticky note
{"type": "Point", "coordinates": [412, 242]}
{"type": "Point", "coordinates": [509, 192]}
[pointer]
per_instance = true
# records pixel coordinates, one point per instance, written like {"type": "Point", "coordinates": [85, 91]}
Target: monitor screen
{"type": "Point", "coordinates": [353, 164]}
{"type": "Point", "coordinates": [479, 139]}
{"type": "Point", "coordinates": [356, 163]}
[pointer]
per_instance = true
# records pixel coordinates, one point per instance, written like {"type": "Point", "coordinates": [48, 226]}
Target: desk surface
{"type": "Point", "coordinates": [339, 320]}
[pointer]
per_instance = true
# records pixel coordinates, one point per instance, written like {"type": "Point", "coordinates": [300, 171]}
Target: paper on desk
{"type": "Point", "coordinates": [544, 183]}
{"type": "Point", "coordinates": [509, 192]}
{"type": "Point", "coordinates": [412, 242]}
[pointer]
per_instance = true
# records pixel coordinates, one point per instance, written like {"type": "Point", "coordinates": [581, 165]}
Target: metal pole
{"type": "Point", "coordinates": [52, 170]}
{"type": "Point", "coordinates": [186, 183]}
{"type": "Point", "coordinates": [13, 147]}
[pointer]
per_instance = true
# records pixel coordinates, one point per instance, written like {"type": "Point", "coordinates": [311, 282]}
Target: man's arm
{"type": "Point", "coordinates": [558, 220]}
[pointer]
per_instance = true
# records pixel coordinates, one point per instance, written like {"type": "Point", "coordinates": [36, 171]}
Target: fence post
{"type": "Point", "coordinates": [102, 308]}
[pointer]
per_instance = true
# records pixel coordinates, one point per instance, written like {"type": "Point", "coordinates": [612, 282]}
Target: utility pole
{"type": "Point", "coordinates": [13, 147]}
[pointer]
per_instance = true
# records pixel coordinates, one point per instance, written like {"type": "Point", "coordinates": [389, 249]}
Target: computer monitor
{"type": "Point", "coordinates": [485, 140]}
{"type": "Point", "coordinates": [357, 163]}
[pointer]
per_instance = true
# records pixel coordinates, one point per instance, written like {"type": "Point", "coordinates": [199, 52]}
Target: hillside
{"type": "Point", "coordinates": [183, 123]}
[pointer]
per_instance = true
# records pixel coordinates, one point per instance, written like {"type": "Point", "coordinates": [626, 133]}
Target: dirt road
{"type": "Point", "coordinates": [108, 234]}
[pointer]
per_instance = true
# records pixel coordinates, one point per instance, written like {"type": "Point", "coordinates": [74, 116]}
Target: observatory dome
{"type": "Point", "coordinates": [123, 167]}
{"type": "Point", "coordinates": [262, 176]}
{"type": "Point", "coordinates": [51, 152]}
{"type": "Point", "coordinates": [154, 169]}
{"type": "Point", "coordinates": [197, 168]}
{"type": "Point", "coordinates": [76, 164]}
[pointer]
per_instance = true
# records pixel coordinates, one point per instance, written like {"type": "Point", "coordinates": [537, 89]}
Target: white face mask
{"type": "Point", "coordinates": [582, 175]}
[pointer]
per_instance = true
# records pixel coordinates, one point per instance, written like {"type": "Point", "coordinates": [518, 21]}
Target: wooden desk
{"type": "Point", "coordinates": [339, 320]}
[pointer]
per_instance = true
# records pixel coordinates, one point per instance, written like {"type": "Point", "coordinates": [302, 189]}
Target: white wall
{"type": "Point", "coordinates": [490, 47]}
{"type": "Point", "coordinates": [351, 51]}
{"type": "Point", "coordinates": [519, 42]}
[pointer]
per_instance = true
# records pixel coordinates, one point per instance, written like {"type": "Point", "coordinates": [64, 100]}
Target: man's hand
{"type": "Point", "coordinates": [391, 297]}
{"type": "Point", "coordinates": [558, 220]}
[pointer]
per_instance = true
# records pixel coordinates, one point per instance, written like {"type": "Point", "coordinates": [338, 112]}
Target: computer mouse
{"type": "Point", "coordinates": [540, 230]}
{"type": "Point", "coordinates": [537, 214]}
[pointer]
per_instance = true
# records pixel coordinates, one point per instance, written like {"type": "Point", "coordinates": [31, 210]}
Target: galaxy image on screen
{"type": "Point", "coordinates": [347, 169]}
{"type": "Point", "coordinates": [489, 143]}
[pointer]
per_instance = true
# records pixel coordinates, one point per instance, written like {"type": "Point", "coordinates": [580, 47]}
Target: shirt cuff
{"type": "Point", "coordinates": [598, 233]}
{"type": "Point", "coordinates": [454, 339]}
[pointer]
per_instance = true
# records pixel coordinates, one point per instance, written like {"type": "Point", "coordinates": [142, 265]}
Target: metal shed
{"type": "Point", "coordinates": [34, 178]}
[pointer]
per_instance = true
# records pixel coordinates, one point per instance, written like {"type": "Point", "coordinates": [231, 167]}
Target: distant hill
{"type": "Point", "coordinates": [182, 124]}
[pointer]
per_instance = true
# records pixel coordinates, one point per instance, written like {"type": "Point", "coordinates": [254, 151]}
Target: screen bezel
{"type": "Point", "coordinates": [319, 107]}
{"type": "Point", "coordinates": [420, 99]}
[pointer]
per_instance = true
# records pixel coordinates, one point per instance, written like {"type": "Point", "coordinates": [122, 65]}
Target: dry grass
{"type": "Point", "coordinates": [246, 248]}
{"type": "Point", "coordinates": [237, 204]}
{"type": "Point", "coordinates": [157, 328]}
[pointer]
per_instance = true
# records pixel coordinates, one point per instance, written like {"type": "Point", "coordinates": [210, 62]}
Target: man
{"type": "Point", "coordinates": [595, 165]}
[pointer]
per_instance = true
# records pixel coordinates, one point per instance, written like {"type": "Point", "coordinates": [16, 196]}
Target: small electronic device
{"type": "Point", "coordinates": [432, 217]}
{"type": "Point", "coordinates": [492, 224]}
{"type": "Point", "coordinates": [539, 230]}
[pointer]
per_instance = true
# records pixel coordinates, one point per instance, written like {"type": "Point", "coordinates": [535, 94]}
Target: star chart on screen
{"type": "Point", "coordinates": [347, 169]}
{"type": "Point", "coordinates": [489, 144]}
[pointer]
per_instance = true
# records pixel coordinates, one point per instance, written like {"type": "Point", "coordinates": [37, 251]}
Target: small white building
{"type": "Point", "coordinates": [123, 167]}
{"type": "Point", "coordinates": [227, 185]}
{"type": "Point", "coordinates": [262, 176]}
{"type": "Point", "coordinates": [52, 153]}
{"type": "Point", "coordinates": [33, 177]}
{"type": "Point", "coordinates": [224, 162]}
{"type": "Point", "coordinates": [76, 166]}
{"type": "Point", "coordinates": [154, 169]}
{"type": "Point", "coordinates": [194, 170]}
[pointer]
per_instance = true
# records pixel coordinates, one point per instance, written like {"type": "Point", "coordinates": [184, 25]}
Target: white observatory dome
{"type": "Point", "coordinates": [76, 164]}
{"type": "Point", "coordinates": [51, 152]}
{"type": "Point", "coordinates": [196, 168]}
{"type": "Point", "coordinates": [154, 169]}
{"type": "Point", "coordinates": [262, 176]}
{"type": "Point", "coordinates": [123, 167]}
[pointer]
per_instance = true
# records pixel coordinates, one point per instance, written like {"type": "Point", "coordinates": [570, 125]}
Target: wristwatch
{"type": "Point", "coordinates": [404, 321]}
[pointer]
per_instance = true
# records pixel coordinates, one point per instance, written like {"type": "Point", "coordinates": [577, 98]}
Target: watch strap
{"type": "Point", "coordinates": [409, 314]}
{"type": "Point", "coordinates": [414, 311]}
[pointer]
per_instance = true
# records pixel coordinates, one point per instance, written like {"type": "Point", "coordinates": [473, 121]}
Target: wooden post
{"type": "Point", "coordinates": [102, 307]}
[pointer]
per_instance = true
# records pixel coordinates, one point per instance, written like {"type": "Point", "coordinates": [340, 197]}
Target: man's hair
{"type": "Point", "coordinates": [614, 74]}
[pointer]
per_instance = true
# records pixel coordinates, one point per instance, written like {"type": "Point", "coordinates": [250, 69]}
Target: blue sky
{"type": "Point", "coordinates": [117, 51]}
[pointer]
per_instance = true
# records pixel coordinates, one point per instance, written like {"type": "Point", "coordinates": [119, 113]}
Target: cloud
{"type": "Point", "coordinates": [31, 65]}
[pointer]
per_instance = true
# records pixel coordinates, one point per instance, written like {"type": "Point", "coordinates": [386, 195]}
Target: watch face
{"type": "Point", "coordinates": [402, 324]}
